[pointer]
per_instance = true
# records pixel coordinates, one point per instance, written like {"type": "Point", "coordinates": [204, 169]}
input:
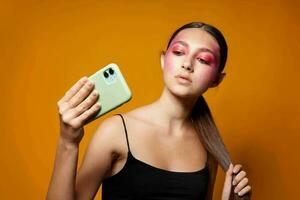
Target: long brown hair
{"type": "Point", "coordinates": [204, 122]}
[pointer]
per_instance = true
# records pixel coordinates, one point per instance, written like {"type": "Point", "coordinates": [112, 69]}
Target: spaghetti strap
{"type": "Point", "coordinates": [125, 131]}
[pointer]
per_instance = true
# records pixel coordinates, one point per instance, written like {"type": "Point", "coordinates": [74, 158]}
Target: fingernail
{"type": "Point", "coordinates": [90, 83]}
{"type": "Point", "coordinates": [84, 79]}
{"type": "Point", "coordinates": [235, 170]}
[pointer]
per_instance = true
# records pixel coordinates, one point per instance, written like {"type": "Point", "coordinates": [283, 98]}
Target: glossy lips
{"type": "Point", "coordinates": [183, 79]}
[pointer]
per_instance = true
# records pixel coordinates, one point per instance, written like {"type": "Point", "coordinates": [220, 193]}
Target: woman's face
{"type": "Point", "coordinates": [198, 52]}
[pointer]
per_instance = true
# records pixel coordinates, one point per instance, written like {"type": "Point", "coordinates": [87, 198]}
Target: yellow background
{"type": "Point", "coordinates": [46, 46]}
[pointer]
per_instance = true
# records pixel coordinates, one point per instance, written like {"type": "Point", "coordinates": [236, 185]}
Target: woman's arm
{"type": "Point", "coordinates": [97, 162]}
{"type": "Point", "coordinates": [62, 182]}
{"type": "Point", "coordinates": [101, 152]}
{"type": "Point", "coordinates": [75, 107]}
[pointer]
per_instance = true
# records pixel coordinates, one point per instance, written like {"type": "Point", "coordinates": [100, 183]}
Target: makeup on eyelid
{"type": "Point", "coordinates": [206, 58]}
{"type": "Point", "coordinates": [178, 47]}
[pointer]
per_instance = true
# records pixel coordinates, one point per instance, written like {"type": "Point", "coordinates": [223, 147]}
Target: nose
{"type": "Point", "coordinates": [187, 65]}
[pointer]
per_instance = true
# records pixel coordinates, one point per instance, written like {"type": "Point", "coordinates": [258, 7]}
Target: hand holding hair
{"type": "Point", "coordinates": [237, 178]}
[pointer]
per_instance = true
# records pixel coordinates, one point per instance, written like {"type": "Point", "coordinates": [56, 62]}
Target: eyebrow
{"type": "Point", "coordinates": [203, 49]}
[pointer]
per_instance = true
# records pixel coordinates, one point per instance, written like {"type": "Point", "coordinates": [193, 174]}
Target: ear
{"type": "Point", "coordinates": [218, 79]}
{"type": "Point", "coordinates": [162, 59]}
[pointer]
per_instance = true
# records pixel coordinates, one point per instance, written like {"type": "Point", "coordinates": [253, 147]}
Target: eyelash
{"type": "Point", "coordinates": [203, 61]}
{"type": "Point", "coordinates": [178, 53]}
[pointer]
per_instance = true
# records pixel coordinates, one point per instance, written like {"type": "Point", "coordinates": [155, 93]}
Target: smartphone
{"type": "Point", "coordinates": [112, 88]}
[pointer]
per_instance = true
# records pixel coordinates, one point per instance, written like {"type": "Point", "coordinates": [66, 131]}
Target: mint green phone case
{"type": "Point", "coordinates": [112, 87]}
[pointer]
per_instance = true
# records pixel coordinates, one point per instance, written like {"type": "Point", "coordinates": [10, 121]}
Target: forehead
{"type": "Point", "coordinates": [197, 38]}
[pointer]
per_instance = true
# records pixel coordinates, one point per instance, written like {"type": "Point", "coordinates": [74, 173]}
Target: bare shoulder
{"type": "Point", "coordinates": [109, 125]}
{"type": "Point", "coordinates": [109, 132]}
{"type": "Point", "coordinates": [102, 150]}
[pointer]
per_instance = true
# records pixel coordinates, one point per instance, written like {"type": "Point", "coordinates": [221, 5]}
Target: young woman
{"type": "Point", "coordinates": [168, 149]}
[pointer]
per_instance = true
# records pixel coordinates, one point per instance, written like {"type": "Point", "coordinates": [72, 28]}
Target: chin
{"type": "Point", "coordinates": [182, 92]}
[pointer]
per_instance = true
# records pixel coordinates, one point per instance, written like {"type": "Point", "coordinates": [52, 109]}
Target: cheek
{"type": "Point", "coordinates": [171, 61]}
{"type": "Point", "coordinates": [168, 63]}
{"type": "Point", "coordinates": [206, 76]}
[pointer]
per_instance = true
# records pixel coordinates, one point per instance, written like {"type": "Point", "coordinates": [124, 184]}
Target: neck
{"type": "Point", "coordinates": [174, 111]}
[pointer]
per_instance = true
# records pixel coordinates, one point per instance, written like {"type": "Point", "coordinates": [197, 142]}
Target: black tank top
{"type": "Point", "coordinates": [140, 181]}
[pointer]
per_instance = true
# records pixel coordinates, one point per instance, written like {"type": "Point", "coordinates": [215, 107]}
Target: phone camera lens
{"type": "Point", "coordinates": [111, 71]}
{"type": "Point", "coordinates": [106, 74]}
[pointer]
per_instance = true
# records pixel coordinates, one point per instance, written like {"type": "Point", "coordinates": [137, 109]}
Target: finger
{"type": "Point", "coordinates": [228, 177]}
{"type": "Point", "coordinates": [73, 90]}
{"type": "Point", "coordinates": [80, 120]}
{"type": "Point", "coordinates": [237, 168]}
{"type": "Point", "coordinates": [229, 171]}
{"type": "Point", "coordinates": [239, 177]}
{"type": "Point", "coordinates": [86, 104]}
{"type": "Point", "coordinates": [243, 183]}
{"type": "Point", "coordinates": [227, 183]}
{"type": "Point", "coordinates": [81, 94]}
{"type": "Point", "coordinates": [90, 112]}
{"type": "Point", "coordinates": [245, 190]}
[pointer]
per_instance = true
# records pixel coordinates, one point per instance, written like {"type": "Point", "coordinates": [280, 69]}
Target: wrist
{"type": "Point", "coordinates": [67, 145]}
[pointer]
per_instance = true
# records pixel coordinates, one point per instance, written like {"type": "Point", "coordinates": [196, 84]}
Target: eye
{"type": "Point", "coordinates": [203, 61]}
{"type": "Point", "coordinates": [178, 53]}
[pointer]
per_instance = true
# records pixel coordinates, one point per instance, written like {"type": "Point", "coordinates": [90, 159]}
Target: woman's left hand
{"type": "Point", "coordinates": [240, 182]}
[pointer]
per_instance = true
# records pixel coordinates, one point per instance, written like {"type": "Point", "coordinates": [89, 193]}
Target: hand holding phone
{"type": "Point", "coordinates": [112, 87]}
{"type": "Point", "coordinates": [90, 98]}
{"type": "Point", "coordinates": [75, 107]}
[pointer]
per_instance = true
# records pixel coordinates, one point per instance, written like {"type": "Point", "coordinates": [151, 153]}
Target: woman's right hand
{"type": "Point", "coordinates": [75, 107]}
